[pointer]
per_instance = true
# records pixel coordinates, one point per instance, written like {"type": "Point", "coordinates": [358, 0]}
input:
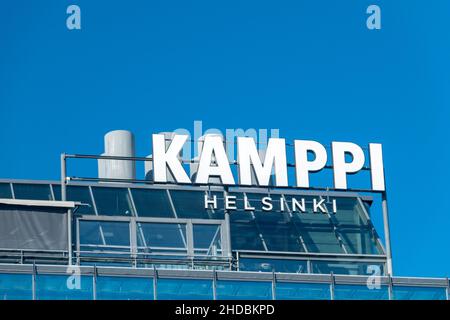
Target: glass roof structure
{"type": "Point", "coordinates": [123, 233]}
{"type": "Point", "coordinates": [142, 224]}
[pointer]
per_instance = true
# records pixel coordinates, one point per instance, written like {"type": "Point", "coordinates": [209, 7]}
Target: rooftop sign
{"type": "Point", "coordinates": [214, 163]}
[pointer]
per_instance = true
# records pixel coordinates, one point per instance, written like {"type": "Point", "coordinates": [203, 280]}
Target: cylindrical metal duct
{"type": "Point", "coordinates": [118, 143]}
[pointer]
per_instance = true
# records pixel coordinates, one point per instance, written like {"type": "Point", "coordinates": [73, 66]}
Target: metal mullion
{"type": "Point", "coordinates": [372, 227]}
{"type": "Point", "coordinates": [138, 225]}
{"type": "Point", "coordinates": [335, 229]}
{"type": "Point", "coordinates": [213, 239]}
{"type": "Point", "coordinates": [13, 194]}
{"type": "Point", "coordinates": [78, 240]}
{"type": "Point", "coordinates": [332, 286]}
{"type": "Point", "coordinates": [293, 222]}
{"type": "Point", "coordinates": [448, 288]}
{"type": "Point", "coordinates": [214, 284]}
{"type": "Point", "coordinates": [174, 211]}
{"type": "Point", "coordinates": [133, 238]}
{"type": "Point", "coordinates": [190, 239]}
{"type": "Point", "coordinates": [102, 235]}
{"type": "Point", "coordinates": [94, 284]}
{"type": "Point", "coordinates": [256, 224]}
{"type": "Point", "coordinates": [52, 193]}
{"type": "Point", "coordinates": [33, 282]}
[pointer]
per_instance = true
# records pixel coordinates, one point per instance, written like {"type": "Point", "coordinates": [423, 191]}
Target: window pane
{"type": "Point", "coordinates": [162, 237]}
{"type": "Point", "coordinates": [418, 293]}
{"type": "Point", "coordinates": [107, 236]}
{"type": "Point", "coordinates": [351, 268]}
{"type": "Point", "coordinates": [152, 203]}
{"type": "Point", "coordinates": [189, 204]}
{"type": "Point", "coordinates": [241, 290]}
{"type": "Point", "coordinates": [32, 191]}
{"type": "Point", "coordinates": [77, 193]}
{"type": "Point", "coordinates": [181, 289]}
{"type": "Point", "coordinates": [355, 292]}
{"type": "Point", "coordinates": [124, 288]}
{"type": "Point", "coordinates": [16, 287]}
{"type": "Point", "coordinates": [317, 232]}
{"type": "Point", "coordinates": [244, 232]}
{"type": "Point", "coordinates": [60, 287]}
{"type": "Point", "coordinates": [353, 227]}
{"type": "Point", "coordinates": [277, 229]}
{"type": "Point", "coordinates": [207, 239]}
{"type": "Point", "coordinates": [5, 191]}
{"type": "Point", "coordinates": [112, 201]}
{"type": "Point", "coordinates": [269, 265]}
{"type": "Point", "coordinates": [302, 291]}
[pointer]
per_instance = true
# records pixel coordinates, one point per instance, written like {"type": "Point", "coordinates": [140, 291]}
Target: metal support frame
{"type": "Point", "coordinates": [227, 247]}
{"type": "Point", "coordinates": [133, 221]}
{"type": "Point", "coordinates": [69, 211]}
{"type": "Point", "coordinates": [387, 234]}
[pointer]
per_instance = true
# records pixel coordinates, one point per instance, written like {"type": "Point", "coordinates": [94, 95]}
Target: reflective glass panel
{"type": "Point", "coordinates": [189, 204]}
{"type": "Point", "coordinates": [418, 293]}
{"type": "Point", "coordinates": [16, 287]}
{"type": "Point", "coordinates": [302, 291]}
{"type": "Point", "coordinates": [162, 237]}
{"type": "Point", "coordinates": [277, 228]}
{"type": "Point", "coordinates": [95, 235]}
{"type": "Point", "coordinates": [182, 289]}
{"type": "Point", "coordinates": [79, 194]}
{"type": "Point", "coordinates": [241, 290]}
{"type": "Point", "coordinates": [244, 232]}
{"type": "Point", "coordinates": [269, 265]}
{"type": "Point", "coordinates": [5, 191]}
{"type": "Point", "coordinates": [357, 292]}
{"type": "Point", "coordinates": [350, 268]}
{"type": "Point", "coordinates": [152, 203]}
{"type": "Point", "coordinates": [207, 239]}
{"type": "Point", "coordinates": [112, 201]}
{"type": "Point", "coordinates": [61, 287]}
{"type": "Point", "coordinates": [32, 191]}
{"type": "Point", "coordinates": [317, 232]}
{"type": "Point", "coordinates": [124, 288]}
{"type": "Point", "coordinates": [354, 228]}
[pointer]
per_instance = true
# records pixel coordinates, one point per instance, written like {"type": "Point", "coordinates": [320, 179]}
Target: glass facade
{"type": "Point", "coordinates": [32, 191]}
{"type": "Point", "coordinates": [16, 286]}
{"type": "Point", "coordinates": [60, 287]}
{"type": "Point", "coordinates": [5, 191]}
{"type": "Point", "coordinates": [44, 286]}
{"type": "Point", "coordinates": [419, 293]}
{"type": "Point", "coordinates": [359, 292]}
{"type": "Point", "coordinates": [302, 291]}
{"type": "Point", "coordinates": [124, 288]}
{"type": "Point", "coordinates": [286, 252]}
{"type": "Point", "coordinates": [273, 265]}
{"type": "Point", "coordinates": [244, 290]}
{"type": "Point", "coordinates": [183, 289]}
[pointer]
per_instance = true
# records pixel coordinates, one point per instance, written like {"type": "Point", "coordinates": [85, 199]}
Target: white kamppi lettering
{"type": "Point", "coordinates": [341, 167]}
{"type": "Point", "coordinates": [213, 149]}
{"type": "Point", "coordinates": [275, 157]}
{"type": "Point", "coordinates": [376, 166]}
{"type": "Point", "coordinates": [163, 159]}
{"type": "Point", "coordinates": [252, 169]}
{"type": "Point", "coordinates": [302, 166]}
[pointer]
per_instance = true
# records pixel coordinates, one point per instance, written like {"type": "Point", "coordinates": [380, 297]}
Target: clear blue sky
{"type": "Point", "coordinates": [310, 68]}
